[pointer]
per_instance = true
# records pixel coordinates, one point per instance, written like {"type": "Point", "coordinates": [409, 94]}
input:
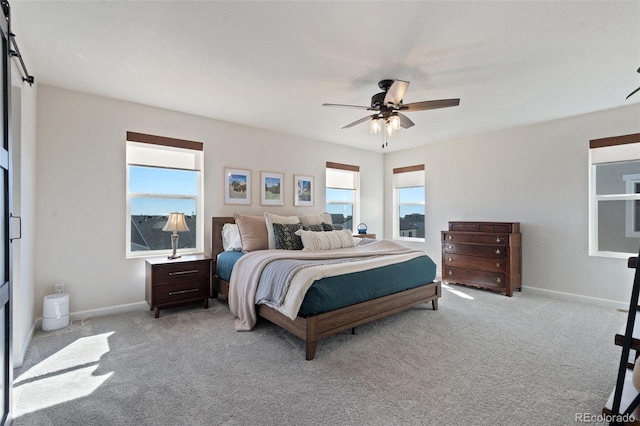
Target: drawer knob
{"type": "Point", "coordinates": [498, 239]}
{"type": "Point", "coordinates": [498, 251]}
{"type": "Point", "coordinates": [450, 259]}
{"type": "Point", "coordinates": [449, 272]}
{"type": "Point", "coordinates": [450, 247]}
{"type": "Point", "coordinates": [450, 237]}
{"type": "Point", "coordinates": [498, 280]}
{"type": "Point", "coordinates": [497, 264]}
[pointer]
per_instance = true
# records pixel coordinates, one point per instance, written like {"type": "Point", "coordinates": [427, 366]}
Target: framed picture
{"type": "Point", "coordinates": [272, 189]}
{"type": "Point", "coordinates": [303, 190]}
{"type": "Point", "coordinates": [237, 186]}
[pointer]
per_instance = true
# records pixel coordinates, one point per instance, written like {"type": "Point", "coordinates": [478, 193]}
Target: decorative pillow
{"type": "Point", "coordinates": [285, 235]}
{"type": "Point", "coordinates": [231, 237]}
{"type": "Point", "coordinates": [314, 228]}
{"type": "Point", "coordinates": [326, 240]}
{"type": "Point", "coordinates": [315, 219]}
{"type": "Point", "coordinates": [331, 227]}
{"type": "Point", "coordinates": [253, 232]}
{"type": "Point", "coordinates": [270, 219]}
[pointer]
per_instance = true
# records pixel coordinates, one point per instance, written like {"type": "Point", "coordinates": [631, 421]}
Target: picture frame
{"type": "Point", "coordinates": [303, 189]}
{"type": "Point", "coordinates": [237, 186]}
{"type": "Point", "coordinates": [271, 189]}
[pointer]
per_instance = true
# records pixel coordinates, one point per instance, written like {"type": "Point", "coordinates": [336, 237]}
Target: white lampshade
{"type": "Point", "coordinates": [176, 223]}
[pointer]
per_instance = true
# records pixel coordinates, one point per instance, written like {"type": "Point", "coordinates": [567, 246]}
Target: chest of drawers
{"type": "Point", "coordinates": [483, 254]}
{"type": "Point", "coordinates": [179, 281]}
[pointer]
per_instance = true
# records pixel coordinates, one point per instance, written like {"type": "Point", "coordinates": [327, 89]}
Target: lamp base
{"type": "Point", "coordinates": [174, 246]}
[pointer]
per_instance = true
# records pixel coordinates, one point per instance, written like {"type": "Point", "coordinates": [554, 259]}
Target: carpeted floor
{"type": "Point", "coordinates": [481, 359]}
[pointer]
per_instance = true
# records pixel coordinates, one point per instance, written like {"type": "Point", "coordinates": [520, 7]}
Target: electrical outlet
{"type": "Point", "coordinates": [59, 288]}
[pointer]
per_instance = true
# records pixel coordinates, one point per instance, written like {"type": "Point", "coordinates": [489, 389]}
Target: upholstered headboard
{"type": "Point", "coordinates": [216, 234]}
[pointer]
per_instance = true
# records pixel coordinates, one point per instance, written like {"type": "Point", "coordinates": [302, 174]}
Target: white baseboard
{"type": "Point", "coordinates": [577, 298]}
{"type": "Point", "coordinates": [80, 315]}
{"type": "Point", "coordinates": [18, 359]}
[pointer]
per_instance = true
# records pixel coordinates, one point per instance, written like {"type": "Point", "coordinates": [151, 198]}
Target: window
{"type": "Point", "coordinates": [614, 207]}
{"type": "Point", "coordinates": [342, 194]}
{"type": "Point", "coordinates": [163, 176]}
{"type": "Point", "coordinates": [409, 203]}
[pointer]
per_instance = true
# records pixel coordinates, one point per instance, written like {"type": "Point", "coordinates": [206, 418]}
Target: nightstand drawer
{"type": "Point", "coordinates": [171, 273]}
{"type": "Point", "coordinates": [182, 291]}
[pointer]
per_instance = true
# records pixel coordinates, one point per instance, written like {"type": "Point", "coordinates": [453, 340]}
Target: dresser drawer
{"type": "Point", "coordinates": [471, 237]}
{"type": "Point", "coordinates": [171, 273]}
{"type": "Point", "coordinates": [491, 251]}
{"type": "Point", "coordinates": [474, 262]}
{"type": "Point", "coordinates": [181, 291]}
{"type": "Point", "coordinates": [469, 276]}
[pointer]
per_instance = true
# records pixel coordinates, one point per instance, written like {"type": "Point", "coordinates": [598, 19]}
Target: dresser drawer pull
{"type": "Point", "coordinates": [498, 280]}
{"type": "Point", "coordinates": [497, 264]}
{"type": "Point", "coordinates": [450, 247]}
{"type": "Point", "coordinates": [498, 251]}
{"type": "Point", "coordinates": [498, 239]}
{"type": "Point", "coordinates": [173, 293]}
{"type": "Point", "coordinates": [450, 237]}
{"type": "Point", "coordinates": [449, 272]}
{"type": "Point", "coordinates": [450, 259]}
{"type": "Point", "coordinates": [190, 271]}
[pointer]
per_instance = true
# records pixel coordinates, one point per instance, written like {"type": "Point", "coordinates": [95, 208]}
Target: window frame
{"type": "Point", "coordinates": [418, 172]}
{"type": "Point", "coordinates": [330, 184]}
{"type": "Point", "coordinates": [192, 148]}
{"type": "Point", "coordinates": [616, 149]}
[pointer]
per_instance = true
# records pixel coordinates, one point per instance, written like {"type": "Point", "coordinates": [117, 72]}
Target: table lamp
{"type": "Point", "coordinates": [176, 223]}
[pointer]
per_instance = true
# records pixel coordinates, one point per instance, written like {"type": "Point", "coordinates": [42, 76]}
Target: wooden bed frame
{"type": "Point", "coordinates": [315, 327]}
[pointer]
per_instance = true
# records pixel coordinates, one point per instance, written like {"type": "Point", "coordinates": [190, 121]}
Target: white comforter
{"type": "Point", "coordinates": [246, 274]}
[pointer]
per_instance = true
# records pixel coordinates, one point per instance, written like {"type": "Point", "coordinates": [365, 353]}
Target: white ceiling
{"type": "Point", "coordinates": [271, 64]}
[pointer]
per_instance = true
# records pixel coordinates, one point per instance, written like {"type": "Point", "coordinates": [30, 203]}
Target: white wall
{"type": "Point", "coordinates": [536, 175]}
{"type": "Point", "coordinates": [81, 187]}
{"type": "Point", "coordinates": [23, 158]}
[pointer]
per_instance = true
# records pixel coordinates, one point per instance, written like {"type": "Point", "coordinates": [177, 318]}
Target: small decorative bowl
{"type": "Point", "coordinates": [362, 228]}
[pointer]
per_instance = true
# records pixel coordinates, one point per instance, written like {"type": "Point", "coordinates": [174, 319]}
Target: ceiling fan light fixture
{"type": "Point", "coordinates": [376, 126]}
{"type": "Point", "coordinates": [390, 129]}
{"type": "Point", "coordinates": [394, 121]}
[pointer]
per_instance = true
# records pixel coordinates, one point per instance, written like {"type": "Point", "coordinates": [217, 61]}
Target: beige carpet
{"type": "Point", "coordinates": [481, 359]}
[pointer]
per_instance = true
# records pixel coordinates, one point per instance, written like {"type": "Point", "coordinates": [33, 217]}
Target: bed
{"type": "Point", "coordinates": [312, 326]}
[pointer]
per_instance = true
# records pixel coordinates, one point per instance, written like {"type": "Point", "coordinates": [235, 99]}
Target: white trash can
{"type": "Point", "coordinates": [55, 311]}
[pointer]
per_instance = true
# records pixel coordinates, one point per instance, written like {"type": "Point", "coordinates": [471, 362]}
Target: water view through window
{"type": "Point", "coordinates": [154, 193]}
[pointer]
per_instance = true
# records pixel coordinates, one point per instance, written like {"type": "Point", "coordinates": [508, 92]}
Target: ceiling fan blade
{"type": "Point", "coordinates": [350, 106]}
{"type": "Point", "coordinates": [362, 120]}
{"type": "Point", "coordinates": [638, 89]}
{"type": "Point", "coordinates": [420, 106]}
{"type": "Point", "coordinates": [405, 122]}
{"type": "Point", "coordinates": [396, 92]}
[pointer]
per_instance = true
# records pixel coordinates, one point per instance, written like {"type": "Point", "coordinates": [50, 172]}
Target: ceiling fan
{"type": "Point", "coordinates": [388, 107]}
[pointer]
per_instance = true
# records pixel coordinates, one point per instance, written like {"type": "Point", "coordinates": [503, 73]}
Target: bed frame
{"type": "Point", "coordinates": [315, 327]}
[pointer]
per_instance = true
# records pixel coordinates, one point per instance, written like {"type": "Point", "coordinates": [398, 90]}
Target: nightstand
{"type": "Point", "coordinates": [174, 282]}
{"type": "Point", "coordinates": [364, 236]}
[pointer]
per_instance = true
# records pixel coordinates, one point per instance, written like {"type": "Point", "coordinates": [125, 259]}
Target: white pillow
{"type": "Point", "coordinates": [329, 240]}
{"type": "Point", "coordinates": [231, 237]}
{"type": "Point", "coordinates": [315, 219]}
{"type": "Point", "coordinates": [270, 219]}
